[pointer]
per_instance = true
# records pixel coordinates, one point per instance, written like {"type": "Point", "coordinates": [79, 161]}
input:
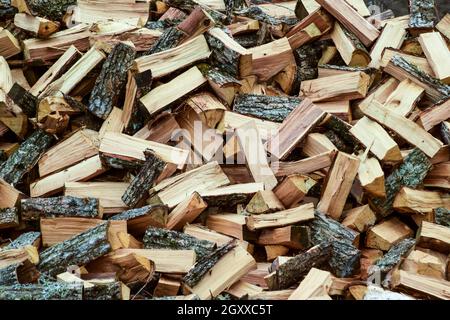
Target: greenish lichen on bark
{"type": "Point", "coordinates": [169, 39]}
{"type": "Point", "coordinates": [26, 157]}
{"type": "Point", "coordinates": [410, 173]}
{"type": "Point", "coordinates": [393, 257]}
{"type": "Point", "coordinates": [272, 108]}
{"type": "Point", "coordinates": [205, 264]}
{"type": "Point", "coordinates": [52, 9]}
{"type": "Point", "coordinates": [422, 14]}
{"type": "Point", "coordinates": [157, 238]}
{"type": "Point", "coordinates": [65, 206]}
{"type": "Point", "coordinates": [111, 80]}
{"type": "Point", "coordinates": [104, 291]}
{"type": "Point", "coordinates": [78, 250]}
{"type": "Point", "coordinates": [25, 239]}
{"type": "Point", "coordinates": [9, 217]}
{"type": "Point", "coordinates": [46, 291]}
{"type": "Point", "coordinates": [442, 216]}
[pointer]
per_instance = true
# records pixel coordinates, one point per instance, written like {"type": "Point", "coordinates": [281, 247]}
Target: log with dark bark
{"type": "Point", "coordinates": [445, 132]}
{"type": "Point", "coordinates": [9, 217]}
{"type": "Point", "coordinates": [26, 157]}
{"type": "Point", "coordinates": [345, 259]}
{"type": "Point", "coordinates": [67, 206]}
{"type": "Point", "coordinates": [143, 181]}
{"type": "Point", "coordinates": [410, 173]}
{"type": "Point", "coordinates": [46, 291]}
{"type": "Point", "coordinates": [170, 38]}
{"type": "Point", "coordinates": [52, 9]}
{"type": "Point", "coordinates": [394, 256]}
{"type": "Point", "coordinates": [6, 10]}
{"type": "Point", "coordinates": [139, 114]}
{"type": "Point", "coordinates": [121, 164]}
{"type": "Point", "coordinates": [19, 273]}
{"type": "Point", "coordinates": [307, 60]}
{"type": "Point", "coordinates": [25, 100]}
{"type": "Point", "coordinates": [156, 238]}
{"type": "Point", "coordinates": [442, 216]}
{"type": "Point", "coordinates": [79, 250]}
{"type": "Point", "coordinates": [422, 14]}
{"type": "Point", "coordinates": [256, 13]}
{"type": "Point", "coordinates": [342, 130]}
{"type": "Point", "coordinates": [111, 81]}
{"type": "Point", "coordinates": [204, 264]}
{"type": "Point", "coordinates": [104, 291]}
{"type": "Point", "coordinates": [31, 238]}
{"type": "Point", "coordinates": [293, 270]}
{"type": "Point", "coordinates": [139, 219]}
{"type": "Point", "coordinates": [265, 107]}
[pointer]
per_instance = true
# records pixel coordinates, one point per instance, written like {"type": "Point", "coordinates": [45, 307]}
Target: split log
{"type": "Point", "coordinates": [434, 236]}
{"type": "Point", "coordinates": [394, 256]}
{"type": "Point", "coordinates": [111, 81]}
{"type": "Point", "coordinates": [55, 10]}
{"type": "Point", "coordinates": [40, 27]}
{"type": "Point", "coordinates": [160, 97]}
{"type": "Point", "coordinates": [351, 19]}
{"type": "Point", "coordinates": [303, 8]}
{"type": "Point", "coordinates": [242, 290]}
{"type": "Point", "coordinates": [264, 202]}
{"type": "Point", "coordinates": [231, 224]}
{"type": "Point", "coordinates": [167, 287]}
{"type": "Point", "coordinates": [404, 127]}
{"type": "Point", "coordinates": [422, 16]}
{"type": "Point", "coordinates": [281, 218]}
{"type": "Point", "coordinates": [31, 238]}
{"type": "Point", "coordinates": [224, 85]}
{"type": "Point", "coordinates": [291, 132]}
{"type": "Point", "coordinates": [139, 219]}
{"type": "Point", "coordinates": [295, 237]}
{"type": "Point", "coordinates": [78, 250]}
{"type": "Point", "coordinates": [420, 62]}
{"type": "Point", "coordinates": [9, 218]}
{"type": "Point", "coordinates": [371, 176]}
{"type": "Point", "coordinates": [230, 196]}
{"type": "Point", "coordinates": [186, 212]}
{"type": "Point", "coordinates": [445, 131]}
{"type": "Point", "coordinates": [426, 262]}
{"type": "Point", "coordinates": [228, 55]}
{"type": "Point", "coordinates": [169, 39]}
{"type": "Point", "coordinates": [443, 26]}
{"type": "Point", "coordinates": [316, 283]}
{"type": "Point", "coordinates": [150, 172]}
{"type": "Point", "coordinates": [265, 107]}
{"type": "Point", "coordinates": [317, 143]}
{"type": "Point", "coordinates": [359, 219]}
{"type": "Point", "coordinates": [326, 229]}
{"type": "Point", "coordinates": [392, 36]}
{"type": "Point", "coordinates": [112, 290]}
{"type": "Point", "coordinates": [25, 100]}
{"type": "Point", "coordinates": [348, 86]}
{"type": "Point", "coordinates": [386, 234]}
{"type": "Point", "coordinates": [304, 166]}
{"type": "Point", "coordinates": [293, 189]}
{"type": "Point", "coordinates": [404, 98]}
{"type": "Point", "coordinates": [231, 262]}
{"type": "Point", "coordinates": [10, 45]}
{"type": "Point", "coordinates": [156, 238]}
{"type": "Point", "coordinates": [437, 53]}
{"type": "Point", "coordinates": [25, 158]}
{"type": "Point", "coordinates": [424, 287]}
{"type": "Point", "coordinates": [34, 208]}
{"type": "Point", "coordinates": [203, 233]}
{"type": "Point", "coordinates": [419, 201]}
{"type": "Point", "coordinates": [442, 216]}
{"type": "Point", "coordinates": [19, 255]}
{"type": "Point", "coordinates": [20, 273]}
{"type": "Point", "coordinates": [340, 177]}
{"type": "Point", "coordinates": [434, 115]}
{"type": "Point", "coordinates": [350, 47]}
{"type": "Point", "coordinates": [48, 291]}
{"type": "Point", "coordinates": [9, 196]}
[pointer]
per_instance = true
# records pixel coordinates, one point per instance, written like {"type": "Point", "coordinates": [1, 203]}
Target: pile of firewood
{"type": "Point", "coordinates": [223, 149]}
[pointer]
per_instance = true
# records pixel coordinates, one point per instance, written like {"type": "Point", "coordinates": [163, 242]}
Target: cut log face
{"type": "Point", "coordinates": [186, 212]}
{"type": "Point", "coordinates": [359, 219]}
{"type": "Point", "coordinates": [435, 237]}
{"type": "Point", "coordinates": [437, 53]}
{"type": "Point", "coordinates": [386, 234]}
{"type": "Point", "coordinates": [417, 201]}
{"type": "Point", "coordinates": [316, 283]}
{"type": "Point", "coordinates": [293, 189]}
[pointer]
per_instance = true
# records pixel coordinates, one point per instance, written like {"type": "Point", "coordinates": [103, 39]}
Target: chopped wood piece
{"type": "Point", "coordinates": [40, 27]}
{"type": "Point", "coordinates": [434, 115]}
{"type": "Point", "coordinates": [9, 218]}
{"type": "Point", "coordinates": [295, 237]}
{"type": "Point", "coordinates": [138, 220]}
{"type": "Point", "coordinates": [168, 61]}
{"type": "Point", "coordinates": [422, 15]}
{"type": "Point", "coordinates": [386, 234]}
{"type": "Point", "coordinates": [243, 290]}
{"type": "Point", "coordinates": [230, 196]}
{"type": "Point", "coordinates": [231, 267]}
{"type": "Point", "coordinates": [160, 97]}
{"type": "Point", "coordinates": [392, 36]}
{"type": "Point", "coordinates": [167, 287]}
{"type": "Point", "coordinates": [359, 219]}
{"type": "Point", "coordinates": [404, 98]}
{"type": "Point", "coordinates": [251, 145]}
{"type": "Point", "coordinates": [442, 216]}
{"type": "Point", "coordinates": [34, 208]}
{"type": "Point", "coordinates": [418, 201]}
{"type": "Point", "coordinates": [224, 85]}
{"type": "Point", "coordinates": [348, 86]}
{"type": "Point", "coordinates": [444, 26]}
{"type": "Point", "coordinates": [422, 286]}
{"type": "Point", "coordinates": [293, 189]}
{"type": "Point", "coordinates": [351, 19]}
{"type": "Point", "coordinates": [315, 284]}
{"type": "Point", "coordinates": [340, 177]}
{"type": "Point", "coordinates": [19, 273]}
{"type": "Point", "coordinates": [307, 165]}
{"type": "Point", "coordinates": [55, 182]}
{"type": "Point", "coordinates": [157, 238]}
{"type": "Point", "coordinates": [420, 62]}
{"type": "Point", "coordinates": [434, 236]}
{"type": "Point", "coordinates": [203, 233]}
{"type": "Point", "coordinates": [186, 212]}
{"type": "Point", "coordinates": [394, 256]}
{"type": "Point", "coordinates": [208, 108]}
{"type": "Point", "coordinates": [291, 133]}
{"type": "Point", "coordinates": [233, 225]}
{"type": "Point", "coordinates": [264, 202]}
{"type": "Point", "coordinates": [281, 218]}
{"type": "Point", "coordinates": [349, 47]}
{"type": "Point", "coordinates": [425, 262]}
{"type": "Point", "coordinates": [371, 176]}
{"type": "Point", "coordinates": [9, 196]}
{"type": "Point", "coordinates": [408, 130]}
{"type": "Point", "coordinates": [48, 291]}
{"type": "Point", "coordinates": [31, 238]}
{"type": "Point", "coordinates": [81, 249]}
{"type": "Point", "coordinates": [438, 176]}
{"type": "Point", "coordinates": [437, 53]}
{"type": "Point", "coordinates": [274, 251]}
{"type": "Point", "coordinates": [10, 46]}
{"type": "Point", "coordinates": [228, 55]}
{"type": "Point", "coordinates": [25, 158]}
{"type": "Point", "coordinates": [25, 100]}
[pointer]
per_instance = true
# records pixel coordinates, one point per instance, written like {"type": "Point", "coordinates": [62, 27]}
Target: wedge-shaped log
{"type": "Point", "coordinates": [420, 201]}
{"type": "Point", "coordinates": [434, 115]}
{"type": "Point", "coordinates": [291, 133]}
{"type": "Point", "coordinates": [394, 256]}
{"type": "Point", "coordinates": [434, 236]}
{"type": "Point", "coordinates": [40, 27]}
{"type": "Point", "coordinates": [359, 219]}
{"type": "Point", "coordinates": [281, 218]}
{"type": "Point", "coordinates": [437, 53]}
{"type": "Point", "coordinates": [160, 97]}
{"type": "Point", "coordinates": [186, 211]}
{"type": "Point", "coordinates": [10, 45]}
{"type": "Point", "coordinates": [9, 196]}
{"type": "Point", "coordinates": [392, 36]}
{"type": "Point", "coordinates": [293, 189]}
{"type": "Point", "coordinates": [351, 19]}
{"type": "Point", "coordinates": [317, 283]}
{"type": "Point", "coordinates": [438, 176]}
{"type": "Point", "coordinates": [78, 250]}
{"type": "Point", "coordinates": [31, 238]}
{"type": "Point", "coordinates": [25, 100]}
{"type": "Point", "coordinates": [228, 55]}
{"type": "Point", "coordinates": [307, 165]}
{"type": "Point", "coordinates": [347, 86]}
{"type": "Point", "coordinates": [420, 62]}
{"type": "Point", "coordinates": [340, 177]}
{"type": "Point", "coordinates": [404, 98]}
{"type": "Point", "coordinates": [55, 182]}
{"type": "Point", "coordinates": [349, 47]}
{"type": "Point", "coordinates": [138, 220]}
{"type": "Point", "coordinates": [230, 196]}
{"type": "Point", "coordinates": [230, 224]}
{"type": "Point", "coordinates": [295, 237]}
{"type": "Point", "coordinates": [371, 176]}
{"type": "Point", "coordinates": [168, 61]}
{"type": "Point", "coordinates": [264, 202]}
{"type": "Point", "coordinates": [386, 234]}
{"type": "Point", "coordinates": [422, 286]}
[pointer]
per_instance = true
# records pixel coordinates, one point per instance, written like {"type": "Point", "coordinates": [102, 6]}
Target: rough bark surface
{"type": "Point", "coordinates": [139, 212]}
{"type": "Point", "coordinates": [342, 130]}
{"type": "Point", "coordinates": [106, 291]}
{"type": "Point", "coordinates": [25, 100]}
{"type": "Point", "coordinates": [25, 239]}
{"type": "Point", "coordinates": [293, 270]}
{"type": "Point", "coordinates": [307, 60]}
{"type": "Point", "coordinates": [66, 206]}
{"type": "Point", "coordinates": [169, 39]}
{"type": "Point", "coordinates": [442, 216]}
{"type": "Point", "coordinates": [9, 217]}
{"type": "Point", "coordinates": [25, 158]}
{"type": "Point", "coordinates": [111, 81]}
{"type": "Point", "coordinates": [139, 114]}
{"type": "Point", "coordinates": [445, 133]}
{"type": "Point", "coordinates": [393, 257]}
{"type": "Point", "coordinates": [47, 291]}
{"type": "Point", "coordinates": [52, 9]}
{"type": "Point", "coordinates": [157, 238]}
{"type": "Point", "coordinates": [8, 275]}
{"type": "Point", "coordinates": [121, 164]}
{"type": "Point", "coordinates": [219, 77]}
{"type": "Point", "coordinates": [144, 180]}
{"type": "Point", "coordinates": [205, 264]}
{"type": "Point", "coordinates": [265, 107]}
{"type": "Point", "coordinates": [222, 57]}
{"type": "Point", "coordinates": [79, 250]}
{"type": "Point", "coordinates": [410, 173]}
{"type": "Point", "coordinates": [422, 14]}
{"type": "Point", "coordinates": [6, 10]}
{"type": "Point", "coordinates": [257, 13]}
{"type": "Point", "coordinates": [345, 259]}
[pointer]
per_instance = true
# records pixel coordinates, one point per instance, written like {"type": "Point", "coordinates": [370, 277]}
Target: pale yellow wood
{"type": "Point", "coordinates": [404, 98]}
{"type": "Point", "coordinates": [113, 123]}
{"type": "Point", "coordinates": [425, 262]}
{"type": "Point", "coordinates": [437, 53]}
{"type": "Point", "coordinates": [444, 26]}
{"type": "Point", "coordinates": [387, 233]}
{"type": "Point", "coordinates": [371, 176]}
{"type": "Point", "coordinates": [392, 36]}
{"type": "Point", "coordinates": [420, 201]}
{"type": "Point", "coordinates": [9, 45]}
{"type": "Point", "coordinates": [360, 218]}
{"type": "Point", "coordinates": [316, 283]}
{"type": "Point", "coordinates": [316, 144]}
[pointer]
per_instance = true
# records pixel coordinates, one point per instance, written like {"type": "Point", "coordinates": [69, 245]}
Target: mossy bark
{"type": "Point", "coordinates": [25, 239]}
{"type": "Point", "coordinates": [393, 257]}
{"type": "Point", "coordinates": [442, 216]}
{"type": "Point", "coordinates": [9, 217]}
{"type": "Point", "coordinates": [47, 291]}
